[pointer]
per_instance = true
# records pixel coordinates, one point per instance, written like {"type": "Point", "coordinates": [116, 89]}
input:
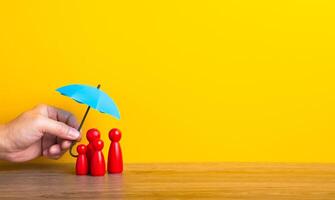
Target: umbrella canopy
{"type": "Point", "coordinates": [91, 96]}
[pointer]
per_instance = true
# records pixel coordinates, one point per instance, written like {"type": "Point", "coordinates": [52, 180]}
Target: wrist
{"type": "Point", "coordinates": [4, 145]}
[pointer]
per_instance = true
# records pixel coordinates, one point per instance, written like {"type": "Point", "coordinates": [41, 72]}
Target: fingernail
{"type": "Point", "coordinates": [73, 133]}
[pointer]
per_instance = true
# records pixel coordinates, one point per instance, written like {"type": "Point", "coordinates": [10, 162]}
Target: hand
{"type": "Point", "coordinates": [43, 131]}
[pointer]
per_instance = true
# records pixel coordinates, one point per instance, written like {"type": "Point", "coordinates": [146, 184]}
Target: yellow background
{"type": "Point", "coordinates": [195, 81]}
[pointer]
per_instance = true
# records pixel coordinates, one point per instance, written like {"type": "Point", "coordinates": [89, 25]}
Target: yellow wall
{"type": "Point", "coordinates": [194, 80]}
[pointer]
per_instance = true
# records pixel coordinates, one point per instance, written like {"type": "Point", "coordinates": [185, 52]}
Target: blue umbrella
{"type": "Point", "coordinates": [91, 96]}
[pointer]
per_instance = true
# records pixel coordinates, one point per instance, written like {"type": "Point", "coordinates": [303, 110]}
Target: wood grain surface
{"type": "Point", "coordinates": [172, 181]}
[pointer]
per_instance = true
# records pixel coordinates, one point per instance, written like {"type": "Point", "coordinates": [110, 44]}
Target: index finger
{"type": "Point", "coordinates": [59, 114]}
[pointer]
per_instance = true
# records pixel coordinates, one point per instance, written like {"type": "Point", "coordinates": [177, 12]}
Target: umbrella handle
{"type": "Point", "coordinates": [79, 128]}
{"type": "Point", "coordinates": [71, 153]}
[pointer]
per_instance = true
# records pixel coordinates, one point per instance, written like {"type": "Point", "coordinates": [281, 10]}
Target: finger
{"type": "Point", "coordinates": [62, 116]}
{"type": "Point", "coordinates": [57, 114]}
{"type": "Point", "coordinates": [57, 156]}
{"type": "Point", "coordinates": [45, 153]}
{"type": "Point", "coordinates": [54, 150]}
{"type": "Point", "coordinates": [48, 140]}
{"type": "Point", "coordinates": [66, 144]}
{"type": "Point", "coordinates": [59, 129]}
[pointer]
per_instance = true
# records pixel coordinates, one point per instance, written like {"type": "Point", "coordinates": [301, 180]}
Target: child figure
{"type": "Point", "coordinates": [81, 164]}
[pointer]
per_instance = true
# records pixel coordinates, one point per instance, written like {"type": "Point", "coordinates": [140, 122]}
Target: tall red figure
{"type": "Point", "coordinates": [115, 163]}
{"type": "Point", "coordinates": [91, 135]}
{"type": "Point", "coordinates": [98, 166]}
{"type": "Point", "coordinates": [81, 164]}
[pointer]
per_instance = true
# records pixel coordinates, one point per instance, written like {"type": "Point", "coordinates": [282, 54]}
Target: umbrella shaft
{"type": "Point", "coordinates": [83, 120]}
{"type": "Point", "coordinates": [87, 110]}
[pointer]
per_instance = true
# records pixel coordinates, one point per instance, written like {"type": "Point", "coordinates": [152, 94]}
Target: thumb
{"type": "Point", "coordinates": [59, 129]}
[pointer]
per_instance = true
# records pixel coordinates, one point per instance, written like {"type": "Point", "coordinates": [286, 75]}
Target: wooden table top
{"type": "Point", "coordinates": [172, 181]}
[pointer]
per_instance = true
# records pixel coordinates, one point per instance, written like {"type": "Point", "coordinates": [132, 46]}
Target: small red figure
{"type": "Point", "coordinates": [81, 164]}
{"type": "Point", "coordinates": [98, 166]}
{"type": "Point", "coordinates": [115, 163]}
{"type": "Point", "coordinates": [91, 135]}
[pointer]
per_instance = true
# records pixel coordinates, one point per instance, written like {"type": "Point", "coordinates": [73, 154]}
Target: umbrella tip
{"type": "Point", "coordinates": [98, 86]}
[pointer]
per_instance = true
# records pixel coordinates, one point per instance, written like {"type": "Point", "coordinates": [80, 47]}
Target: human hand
{"type": "Point", "coordinates": [43, 131]}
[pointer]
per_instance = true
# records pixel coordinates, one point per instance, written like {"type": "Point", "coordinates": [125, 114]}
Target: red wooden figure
{"type": "Point", "coordinates": [91, 135]}
{"type": "Point", "coordinates": [81, 164]}
{"type": "Point", "coordinates": [98, 166]}
{"type": "Point", "coordinates": [115, 163]}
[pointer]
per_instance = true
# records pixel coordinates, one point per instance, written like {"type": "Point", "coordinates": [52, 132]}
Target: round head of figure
{"type": "Point", "coordinates": [98, 145]}
{"type": "Point", "coordinates": [114, 135]}
{"type": "Point", "coordinates": [81, 149]}
{"type": "Point", "coordinates": [92, 134]}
